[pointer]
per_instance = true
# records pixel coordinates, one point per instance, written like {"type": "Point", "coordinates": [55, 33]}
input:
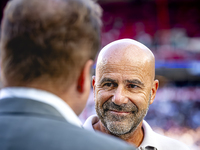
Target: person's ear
{"type": "Point", "coordinates": [93, 82]}
{"type": "Point", "coordinates": [154, 90]}
{"type": "Point", "coordinates": [93, 85]}
{"type": "Point", "coordinates": [84, 76]}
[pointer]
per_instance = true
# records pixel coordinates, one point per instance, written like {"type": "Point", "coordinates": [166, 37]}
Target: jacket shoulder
{"type": "Point", "coordinates": [37, 132]}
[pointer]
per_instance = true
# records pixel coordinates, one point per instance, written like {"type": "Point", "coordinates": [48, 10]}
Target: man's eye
{"type": "Point", "coordinates": [132, 86]}
{"type": "Point", "coordinates": [107, 84]}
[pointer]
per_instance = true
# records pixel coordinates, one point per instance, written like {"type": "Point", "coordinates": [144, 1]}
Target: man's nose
{"type": "Point", "coordinates": [119, 96]}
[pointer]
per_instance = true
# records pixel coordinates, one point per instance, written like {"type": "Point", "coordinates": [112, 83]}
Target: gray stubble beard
{"type": "Point", "coordinates": [124, 128]}
{"type": "Point", "coordinates": [121, 130]}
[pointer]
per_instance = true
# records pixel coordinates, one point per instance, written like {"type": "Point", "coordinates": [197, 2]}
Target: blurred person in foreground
{"type": "Point", "coordinates": [124, 87]}
{"type": "Point", "coordinates": [47, 49]}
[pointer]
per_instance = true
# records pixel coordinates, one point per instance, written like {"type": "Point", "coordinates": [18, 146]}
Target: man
{"type": "Point", "coordinates": [47, 49]}
{"type": "Point", "coordinates": [124, 87]}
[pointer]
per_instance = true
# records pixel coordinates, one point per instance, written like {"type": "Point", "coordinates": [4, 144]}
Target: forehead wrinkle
{"type": "Point", "coordinates": [109, 68]}
{"type": "Point", "coordinates": [124, 72]}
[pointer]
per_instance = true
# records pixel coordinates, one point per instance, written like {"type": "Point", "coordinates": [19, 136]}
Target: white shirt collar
{"type": "Point", "coordinates": [45, 97]}
{"type": "Point", "coordinates": [148, 134]}
{"type": "Point", "coordinates": [90, 121]}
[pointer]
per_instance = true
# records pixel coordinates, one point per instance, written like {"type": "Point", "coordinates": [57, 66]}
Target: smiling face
{"type": "Point", "coordinates": [124, 87]}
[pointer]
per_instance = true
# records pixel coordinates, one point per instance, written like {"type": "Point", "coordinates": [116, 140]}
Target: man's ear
{"type": "Point", "coordinates": [93, 82]}
{"type": "Point", "coordinates": [93, 85]}
{"type": "Point", "coordinates": [154, 90]}
{"type": "Point", "coordinates": [84, 76]}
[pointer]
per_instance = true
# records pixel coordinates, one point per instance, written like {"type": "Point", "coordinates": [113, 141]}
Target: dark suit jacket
{"type": "Point", "coordinates": [31, 125]}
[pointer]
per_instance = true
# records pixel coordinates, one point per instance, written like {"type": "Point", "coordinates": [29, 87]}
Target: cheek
{"type": "Point", "coordinates": [102, 96]}
{"type": "Point", "coordinates": [140, 100]}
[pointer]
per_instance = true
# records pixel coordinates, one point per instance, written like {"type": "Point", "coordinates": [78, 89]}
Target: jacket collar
{"type": "Point", "coordinates": [42, 96]}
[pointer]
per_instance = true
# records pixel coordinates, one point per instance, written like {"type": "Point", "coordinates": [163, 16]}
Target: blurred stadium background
{"type": "Point", "coordinates": [171, 29]}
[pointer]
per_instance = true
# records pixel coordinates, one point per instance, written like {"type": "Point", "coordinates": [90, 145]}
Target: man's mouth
{"type": "Point", "coordinates": [119, 112]}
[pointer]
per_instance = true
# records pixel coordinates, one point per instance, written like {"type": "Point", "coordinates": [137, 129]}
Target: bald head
{"type": "Point", "coordinates": [126, 51]}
